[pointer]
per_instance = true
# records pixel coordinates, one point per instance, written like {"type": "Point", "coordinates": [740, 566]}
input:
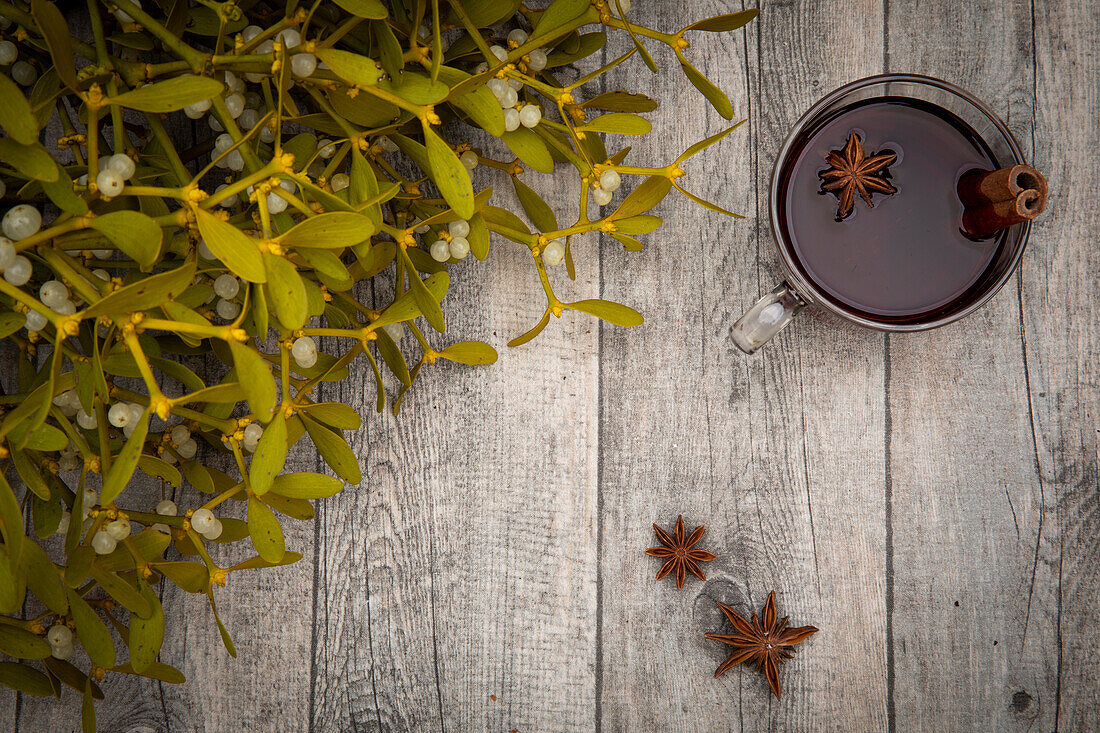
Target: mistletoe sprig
{"type": "Point", "coordinates": [333, 156]}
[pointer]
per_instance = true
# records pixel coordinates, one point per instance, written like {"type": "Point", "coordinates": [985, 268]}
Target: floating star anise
{"type": "Point", "coordinates": [852, 171]}
{"type": "Point", "coordinates": [763, 640]}
{"type": "Point", "coordinates": [681, 557]}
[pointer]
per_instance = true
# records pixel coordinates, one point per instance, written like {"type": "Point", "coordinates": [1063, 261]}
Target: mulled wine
{"type": "Point", "coordinates": [869, 214]}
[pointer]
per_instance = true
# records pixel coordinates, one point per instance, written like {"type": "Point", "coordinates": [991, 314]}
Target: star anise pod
{"type": "Point", "coordinates": [852, 171]}
{"type": "Point", "coordinates": [681, 557]}
{"type": "Point", "coordinates": [763, 640]}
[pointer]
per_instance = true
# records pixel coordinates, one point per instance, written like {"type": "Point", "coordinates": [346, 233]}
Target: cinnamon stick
{"type": "Point", "coordinates": [986, 187]}
{"type": "Point", "coordinates": [996, 200]}
{"type": "Point", "coordinates": [984, 221]}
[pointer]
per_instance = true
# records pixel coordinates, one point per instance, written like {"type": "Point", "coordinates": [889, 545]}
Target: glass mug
{"type": "Point", "coordinates": [798, 289]}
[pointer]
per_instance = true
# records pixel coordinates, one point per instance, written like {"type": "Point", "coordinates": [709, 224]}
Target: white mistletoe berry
{"type": "Point", "coordinates": [226, 286]}
{"type": "Point", "coordinates": [554, 252]}
{"type": "Point", "coordinates": [18, 272]}
{"type": "Point", "coordinates": [202, 520]}
{"type": "Point", "coordinates": [460, 247]}
{"type": "Point", "coordinates": [304, 351]}
{"type": "Point", "coordinates": [21, 221]}
{"type": "Point", "coordinates": [109, 183]}
{"type": "Point", "coordinates": [103, 543]}
{"type": "Point", "coordinates": [440, 250]}
{"type": "Point", "coordinates": [121, 164]}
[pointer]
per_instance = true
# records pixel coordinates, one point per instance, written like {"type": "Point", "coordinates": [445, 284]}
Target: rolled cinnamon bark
{"type": "Point", "coordinates": [979, 189]}
{"type": "Point", "coordinates": [984, 221]}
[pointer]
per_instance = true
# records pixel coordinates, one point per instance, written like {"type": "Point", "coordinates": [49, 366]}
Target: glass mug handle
{"type": "Point", "coordinates": [769, 316]}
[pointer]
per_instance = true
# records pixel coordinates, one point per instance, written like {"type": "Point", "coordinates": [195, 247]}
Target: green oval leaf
{"type": "Point", "coordinates": [537, 210]}
{"type": "Point", "coordinates": [147, 293]}
{"type": "Point", "coordinates": [58, 40]}
{"type": "Point", "coordinates": [157, 468]}
{"type": "Point", "coordinates": [42, 578]}
{"type": "Point", "coordinates": [622, 123]}
{"type": "Point", "coordinates": [26, 679]}
{"type": "Point", "coordinates": [31, 160]}
{"type": "Point", "coordinates": [485, 13]}
{"type": "Point", "coordinates": [719, 23]}
{"type": "Point", "coordinates": [478, 237]}
{"type": "Point", "coordinates": [146, 634]}
{"type": "Point", "coordinates": [169, 95]}
{"type": "Point", "coordinates": [497, 218]}
{"type": "Point", "coordinates": [15, 113]}
{"type": "Point", "coordinates": [449, 174]}
{"type": "Point", "coordinates": [535, 331]}
{"type": "Point", "coordinates": [335, 450]}
{"type": "Point", "coordinates": [641, 224]}
{"type": "Point", "coordinates": [255, 379]}
{"type": "Point", "coordinates": [122, 468]}
{"type": "Point", "coordinates": [189, 576]}
{"type": "Point", "coordinates": [285, 291]}
{"type": "Point", "coordinates": [120, 590]}
{"type": "Point", "coordinates": [351, 67]}
{"type": "Point", "coordinates": [232, 246]}
{"type": "Point", "coordinates": [265, 530]}
{"type": "Point", "coordinates": [704, 144]}
{"type": "Point", "coordinates": [529, 148]}
{"type": "Point", "coordinates": [644, 197]}
{"type": "Point", "coordinates": [22, 644]}
{"type": "Point", "coordinates": [133, 232]}
{"type": "Point", "coordinates": [333, 230]}
{"type": "Point", "coordinates": [470, 352]}
{"type": "Point", "coordinates": [154, 671]}
{"type": "Point", "coordinates": [71, 676]}
{"type": "Point", "coordinates": [714, 95]}
{"type": "Point", "coordinates": [94, 636]}
{"type": "Point", "coordinates": [617, 313]}
{"type": "Point", "coordinates": [405, 307]}
{"type": "Point", "coordinates": [62, 194]}
{"type": "Point", "coordinates": [270, 455]}
{"type": "Point", "coordinates": [227, 641]}
{"type": "Point", "coordinates": [630, 244]}
{"type": "Point", "coordinates": [417, 89]}
{"type": "Point", "coordinates": [334, 414]}
{"type": "Point", "coordinates": [558, 14]}
{"type": "Point", "coordinates": [425, 298]}
{"type": "Point", "coordinates": [46, 437]}
{"type": "Point", "coordinates": [620, 101]}
{"type": "Point", "coordinates": [299, 509]}
{"type": "Point", "coordinates": [306, 485]}
{"type": "Point", "coordinates": [479, 104]}
{"type": "Point", "coordinates": [587, 44]}
{"type": "Point", "coordinates": [256, 563]}
{"type": "Point", "coordinates": [373, 9]}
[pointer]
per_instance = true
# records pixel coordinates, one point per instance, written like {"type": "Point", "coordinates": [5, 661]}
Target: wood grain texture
{"type": "Point", "coordinates": [781, 455]}
{"type": "Point", "coordinates": [495, 546]}
{"type": "Point", "coordinates": [972, 637]}
{"type": "Point", "coordinates": [1060, 286]}
{"type": "Point", "coordinates": [463, 568]}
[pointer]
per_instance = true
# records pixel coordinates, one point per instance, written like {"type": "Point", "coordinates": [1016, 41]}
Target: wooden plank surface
{"type": "Point", "coordinates": [444, 596]}
{"type": "Point", "coordinates": [494, 549]}
{"type": "Point", "coordinates": [963, 481]}
{"type": "Point", "coordinates": [1060, 282]}
{"type": "Point", "coordinates": [780, 455]}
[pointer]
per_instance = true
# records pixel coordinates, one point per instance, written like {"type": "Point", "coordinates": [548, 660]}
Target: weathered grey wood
{"type": "Point", "coordinates": [1060, 293]}
{"type": "Point", "coordinates": [495, 547]}
{"type": "Point", "coordinates": [780, 455]}
{"type": "Point", "coordinates": [973, 629]}
{"type": "Point", "coordinates": [464, 566]}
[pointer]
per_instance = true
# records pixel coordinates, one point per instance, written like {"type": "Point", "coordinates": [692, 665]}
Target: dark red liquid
{"type": "Point", "coordinates": [906, 259]}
